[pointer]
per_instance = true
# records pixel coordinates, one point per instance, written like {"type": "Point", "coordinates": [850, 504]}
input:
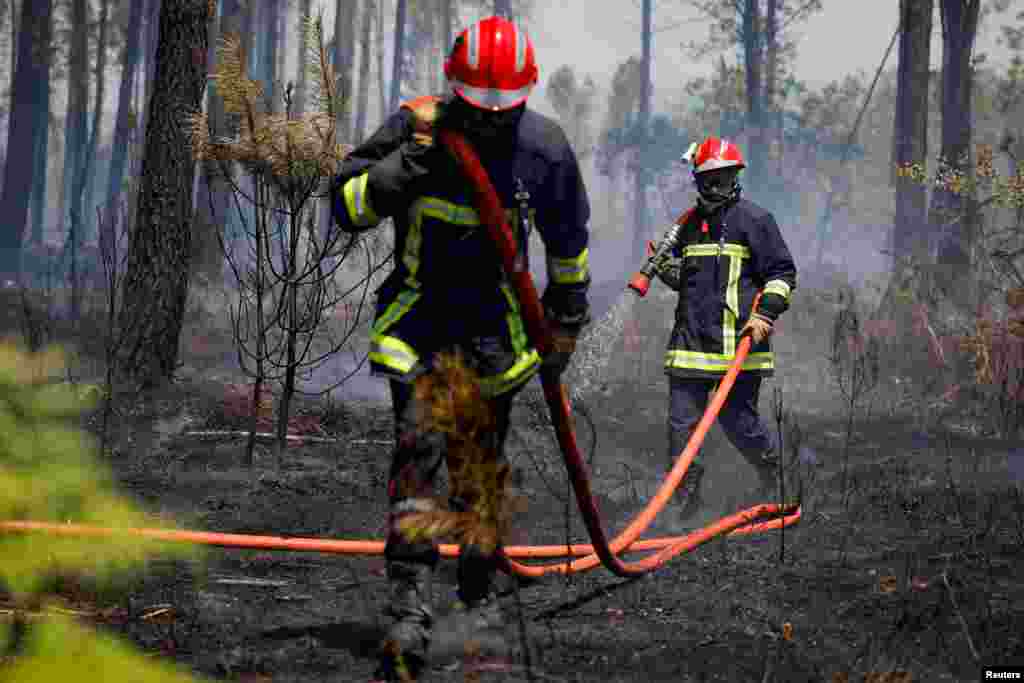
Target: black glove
{"type": "Point", "coordinates": [391, 179]}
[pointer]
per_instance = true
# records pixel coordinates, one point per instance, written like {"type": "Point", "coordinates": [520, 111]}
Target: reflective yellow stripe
{"type": "Point", "coordinates": [399, 307]}
{"type": "Point", "coordinates": [431, 207]}
{"type": "Point", "coordinates": [780, 287]}
{"type": "Point", "coordinates": [565, 271]}
{"type": "Point", "coordinates": [525, 367]}
{"type": "Point", "coordinates": [715, 362]}
{"type": "Point", "coordinates": [527, 360]}
{"type": "Point", "coordinates": [732, 307]}
{"type": "Point", "coordinates": [712, 250]}
{"type": "Point", "coordinates": [515, 321]}
{"type": "Point", "coordinates": [392, 352]}
{"type": "Point", "coordinates": [357, 201]}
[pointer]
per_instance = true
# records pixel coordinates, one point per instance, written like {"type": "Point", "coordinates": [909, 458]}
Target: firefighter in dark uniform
{"type": "Point", "coordinates": [448, 291]}
{"type": "Point", "coordinates": [728, 249]}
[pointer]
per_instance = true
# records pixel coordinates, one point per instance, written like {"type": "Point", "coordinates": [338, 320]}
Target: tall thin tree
{"type": "Point", "coordinates": [33, 66]}
{"type": "Point", "coordinates": [157, 276]}
{"type": "Point", "coordinates": [640, 222]}
{"type": "Point", "coordinates": [365, 69]}
{"type": "Point", "coordinates": [399, 54]}
{"type": "Point", "coordinates": [910, 129]}
{"type": "Point", "coordinates": [959, 31]}
{"type": "Point", "coordinates": [344, 58]}
{"type": "Point", "coordinates": [77, 106]}
{"type": "Point", "coordinates": [122, 125]}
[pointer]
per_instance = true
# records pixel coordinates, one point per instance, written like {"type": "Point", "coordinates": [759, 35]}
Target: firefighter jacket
{"type": "Point", "coordinates": [718, 266]}
{"type": "Point", "coordinates": [447, 288]}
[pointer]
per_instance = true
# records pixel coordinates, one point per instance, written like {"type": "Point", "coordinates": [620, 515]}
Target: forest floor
{"type": "Point", "coordinates": [916, 574]}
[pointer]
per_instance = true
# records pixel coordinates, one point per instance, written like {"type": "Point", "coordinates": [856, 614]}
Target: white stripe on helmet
{"type": "Point", "coordinates": [520, 48]}
{"type": "Point", "coordinates": [722, 147]}
{"type": "Point", "coordinates": [491, 98]}
{"type": "Point", "coordinates": [474, 46]}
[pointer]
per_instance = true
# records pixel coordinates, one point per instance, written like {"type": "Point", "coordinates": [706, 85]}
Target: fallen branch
{"type": "Point", "coordinates": [960, 617]}
{"type": "Point", "coordinates": [263, 435]}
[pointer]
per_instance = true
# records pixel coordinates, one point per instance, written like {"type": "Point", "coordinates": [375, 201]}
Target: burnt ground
{"type": "Point", "coordinates": [919, 572]}
{"type": "Point", "coordinates": [916, 575]}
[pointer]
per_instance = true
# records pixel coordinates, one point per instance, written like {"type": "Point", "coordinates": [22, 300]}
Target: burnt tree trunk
{"type": "Point", "coordinates": [122, 124]}
{"type": "Point", "coordinates": [910, 129]}
{"type": "Point", "coordinates": [33, 67]}
{"type": "Point", "coordinates": [77, 110]}
{"type": "Point", "coordinates": [40, 162]}
{"type": "Point", "coordinates": [910, 230]}
{"type": "Point", "coordinates": [950, 210]}
{"type": "Point", "coordinates": [158, 259]}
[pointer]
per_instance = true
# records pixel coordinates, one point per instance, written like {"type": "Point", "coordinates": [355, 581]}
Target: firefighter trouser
{"type": "Point", "coordinates": [412, 485]}
{"type": "Point", "coordinates": [688, 399]}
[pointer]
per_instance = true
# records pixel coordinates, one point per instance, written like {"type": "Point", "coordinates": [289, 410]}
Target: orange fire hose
{"type": "Point", "coordinates": [752, 520]}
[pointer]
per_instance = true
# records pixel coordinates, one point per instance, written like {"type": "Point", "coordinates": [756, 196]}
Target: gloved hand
{"type": "Point", "coordinates": [759, 327]}
{"type": "Point", "coordinates": [564, 345]}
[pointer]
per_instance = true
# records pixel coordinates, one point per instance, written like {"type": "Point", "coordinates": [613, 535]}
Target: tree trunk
{"type": "Point", "coordinates": [362, 99]}
{"type": "Point", "coordinates": [149, 74]}
{"type": "Point", "coordinates": [302, 90]}
{"type": "Point", "coordinates": [640, 227]}
{"type": "Point", "coordinates": [503, 8]}
{"type": "Point", "coordinates": [910, 129]}
{"type": "Point", "coordinates": [84, 200]}
{"type": "Point", "coordinates": [752, 59]}
{"type": "Point", "coordinates": [77, 109]}
{"type": "Point", "coordinates": [158, 259]}
{"type": "Point", "coordinates": [399, 56]}
{"type": "Point", "coordinates": [122, 125]}
{"type": "Point", "coordinates": [447, 14]}
{"type": "Point", "coordinates": [381, 87]}
{"type": "Point", "coordinates": [949, 209]}
{"type": "Point", "coordinates": [344, 56]}
{"type": "Point", "coordinates": [771, 64]}
{"type": "Point", "coordinates": [33, 67]}
{"type": "Point", "coordinates": [910, 231]}
{"type": "Point", "coordinates": [40, 165]}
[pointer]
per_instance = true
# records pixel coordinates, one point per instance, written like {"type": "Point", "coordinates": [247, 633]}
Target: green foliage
{"type": "Point", "coordinates": [49, 473]}
{"type": "Point", "coordinates": [58, 649]}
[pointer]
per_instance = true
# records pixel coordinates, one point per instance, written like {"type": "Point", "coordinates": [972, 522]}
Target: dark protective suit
{"type": "Point", "coordinates": [448, 291]}
{"type": "Point", "coordinates": [721, 262]}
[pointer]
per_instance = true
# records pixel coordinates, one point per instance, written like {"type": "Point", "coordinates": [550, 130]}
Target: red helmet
{"type": "Point", "coordinates": [713, 154]}
{"type": "Point", "coordinates": [491, 65]}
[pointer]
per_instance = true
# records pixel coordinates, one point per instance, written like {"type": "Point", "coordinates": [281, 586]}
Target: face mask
{"type": "Point", "coordinates": [717, 188]}
{"type": "Point", "coordinates": [485, 125]}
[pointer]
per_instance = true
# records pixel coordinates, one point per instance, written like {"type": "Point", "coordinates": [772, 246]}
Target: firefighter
{"type": "Point", "coordinates": [447, 290]}
{"type": "Point", "coordinates": [729, 248]}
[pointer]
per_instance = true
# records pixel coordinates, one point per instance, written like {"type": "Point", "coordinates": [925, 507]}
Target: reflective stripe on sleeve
{"type": "Point", "coordinates": [780, 287]}
{"type": "Point", "coordinates": [393, 353]}
{"type": "Point", "coordinates": [567, 271]}
{"type": "Point", "coordinates": [357, 202]}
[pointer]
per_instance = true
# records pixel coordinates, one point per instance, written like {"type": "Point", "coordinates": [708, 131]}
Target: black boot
{"type": "Point", "coordinates": [477, 596]}
{"type": "Point", "coordinates": [688, 493]}
{"type": "Point", "coordinates": [403, 653]}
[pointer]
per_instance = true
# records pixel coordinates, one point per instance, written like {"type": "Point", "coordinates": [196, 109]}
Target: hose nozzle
{"type": "Point", "coordinates": [640, 283]}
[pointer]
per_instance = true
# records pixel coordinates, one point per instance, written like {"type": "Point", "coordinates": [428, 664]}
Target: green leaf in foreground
{"type": "Point", "coordinates": [58, 650]}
